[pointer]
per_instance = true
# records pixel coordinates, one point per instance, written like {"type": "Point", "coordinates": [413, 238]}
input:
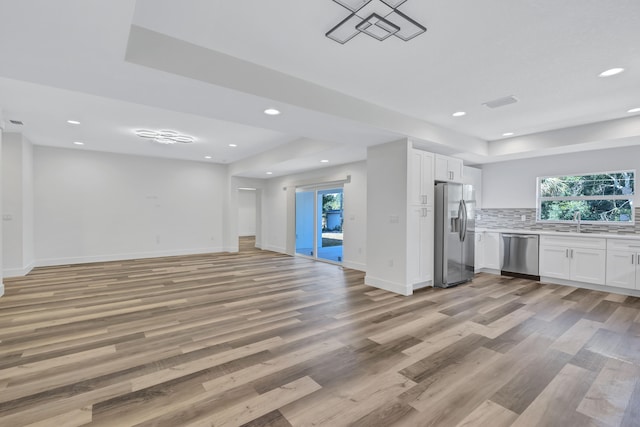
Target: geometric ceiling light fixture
{"type": "Point", "coordinates": [164, 136]}
{"type": "Point", "coordinates": [379, 19]}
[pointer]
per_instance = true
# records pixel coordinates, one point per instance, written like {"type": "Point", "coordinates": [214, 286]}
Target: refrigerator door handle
{"type": "Point", "coordinates": [459, 221]}
{"type": "Point", "coordinates": [464, 221]}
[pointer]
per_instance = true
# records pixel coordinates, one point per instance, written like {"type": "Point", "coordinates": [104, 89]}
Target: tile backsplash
{"type": "Point", "coordinates": [512, 219]}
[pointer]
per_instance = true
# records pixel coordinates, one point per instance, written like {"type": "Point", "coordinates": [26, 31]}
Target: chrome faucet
{"type": "Point", "coordinates": [577, 217]}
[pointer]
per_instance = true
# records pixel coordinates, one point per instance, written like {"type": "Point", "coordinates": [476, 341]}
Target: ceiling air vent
{"type": "Point", "coordinates": [16, 122]}
{"type": "Point", "coordinates": [501, 102]}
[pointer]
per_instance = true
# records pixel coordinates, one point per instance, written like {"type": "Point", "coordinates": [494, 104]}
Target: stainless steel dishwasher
{"type": "Point", "coordinates": [519, 254]}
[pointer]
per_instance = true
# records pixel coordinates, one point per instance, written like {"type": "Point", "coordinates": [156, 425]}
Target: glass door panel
{"type": "Point", "coordinates": [319, 219]}
{"type": "Point", "coordinates": [305, 220]}
{"type": "Point", "coordinates": [330, 220]}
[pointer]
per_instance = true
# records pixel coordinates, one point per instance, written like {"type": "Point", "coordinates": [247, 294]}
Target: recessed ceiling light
{"type": "Point", "coordinates": [207, 157]}
{"type": "Point", "coordinates": [611, 72]}
{"type": "Point", "coordinates": [324, 161]}
{"type": "Point", "coordinates": [233, 145]}
{"type": "Point", "coordinates": [79, 143]}
{"type": "Point", "coordinates": [73, 122]}
{"type": "Point", "coordinates": [507, 134]}
{"type": "Point", "coordinates": [634, 110]}
{"type": "Point", "coordinates": [458, 114]}
{"type": "Point", "coordinates": [271, 112]}
{"type": "Point", "coordinates": [269, 173]}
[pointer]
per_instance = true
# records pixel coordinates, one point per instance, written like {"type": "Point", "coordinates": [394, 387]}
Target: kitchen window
{"type": "Point", "coordinates": [598, 197]}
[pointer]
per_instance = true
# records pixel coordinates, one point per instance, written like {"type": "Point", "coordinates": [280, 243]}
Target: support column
{"type": "Point", "coordinates": [1, 132]}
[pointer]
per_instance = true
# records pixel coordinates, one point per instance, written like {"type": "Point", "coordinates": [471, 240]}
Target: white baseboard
{"type": "Point", "coordinates": [355, 265]}
{"type": "Point", "coordinates": [398, 288]}
{"type": "Point", "coordinates": [18, 272]}
{"type": "Point", "coordinates": [591, 286]}
{"type": "Point", "coordinates": [275, 249]}
{"type": "Point", "coordinates": [230, 249]}
{"type": "Point", "coordinates": [122, 257]}
{"type": "Point", "coordinates": [1, 289]}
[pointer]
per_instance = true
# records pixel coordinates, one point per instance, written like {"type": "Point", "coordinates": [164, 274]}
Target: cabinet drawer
{"type": "Point", "coordinates": [623, 245]}
{"type": "Point", "coordinates": [574, 242]}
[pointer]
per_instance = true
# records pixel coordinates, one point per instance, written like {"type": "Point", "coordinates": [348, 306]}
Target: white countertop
{"type": "Point", "coordinates": [560, 233]}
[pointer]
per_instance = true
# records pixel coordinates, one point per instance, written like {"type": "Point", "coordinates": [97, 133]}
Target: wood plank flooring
{"type": "Point", "coordinates": [262, 339]}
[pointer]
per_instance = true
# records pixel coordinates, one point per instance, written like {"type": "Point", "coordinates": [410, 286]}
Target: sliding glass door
{"type": "Point", "coordinates": [319, 219]}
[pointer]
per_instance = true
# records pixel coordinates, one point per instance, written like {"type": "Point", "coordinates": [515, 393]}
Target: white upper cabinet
{"type": "Point", "coordinates": [420, 185]}
{"type": "Point", "coordinates": [448, 169]}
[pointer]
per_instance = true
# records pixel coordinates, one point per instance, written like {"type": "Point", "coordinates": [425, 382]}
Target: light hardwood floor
{"type": "Point", "coordinates": [262, 339]}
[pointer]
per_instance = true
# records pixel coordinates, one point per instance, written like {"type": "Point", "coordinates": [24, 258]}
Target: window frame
{"type": "Point", "coordinates": [540, 199]}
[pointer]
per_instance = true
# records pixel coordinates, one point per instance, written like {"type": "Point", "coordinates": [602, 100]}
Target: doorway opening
{"type": "Point", "coordinates": [248, 213]}
{"type": "Point", "coordinates": [319, 221]}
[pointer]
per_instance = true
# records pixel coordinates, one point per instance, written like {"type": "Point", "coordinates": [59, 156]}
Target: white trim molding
{"type": "Point", "coordinates": [398, 288]}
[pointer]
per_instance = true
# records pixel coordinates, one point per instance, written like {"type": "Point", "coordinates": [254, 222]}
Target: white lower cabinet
{"type": "Point", "coordinates": [623, 264]}
{"type": "Point", "coordinates": [580, 259]}
{"type": "Point", "coordinates": [420, 244]}
{"type": "Point", "coordinates": [479, 251]}
{"type": "Point", "coordinates": [492, 250]}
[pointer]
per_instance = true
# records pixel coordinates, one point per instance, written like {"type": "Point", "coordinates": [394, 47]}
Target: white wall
{"type": "Point", "coordinates": [387, 216]}
{"type": "Point", "coordinates": [93, 206]}
{"type": "Point", "coordinates": [246, 212]}
{"type": "Point", "coordinates": [512, 184]}
{"type": "Point", "coordinates": [17, 194]}
{"type": "Point", "coordinates": [1, 195]}
{"type": "Point", "coordinates": [278, 210]}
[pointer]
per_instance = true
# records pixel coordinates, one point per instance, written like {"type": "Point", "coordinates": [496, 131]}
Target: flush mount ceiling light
{"type": "Point", "coordinates": [459, 114]}
{"type": "Point", "coordinates": [233, 145]}
{"type": "Point", "coordinates": [507, 134]}
{"type": "Point", "coordinates": [271, 112]}
{"type": "Point", "coordinates": [324, 161]}
{"type": "Point", "coordinates": [634, 110]}
{"type": "Point", "coordinates": [73, 122]}
{"type": "Point", "coordinates": [611, 72]}
{"type": "Point", "coordinates": [165, 136]}
{"type": "Point", "coordinates": [269, 173]}
{"type": "Point", "coordinates": [379, 19]}
{"type": "Point", "coordinates": [79, 143]}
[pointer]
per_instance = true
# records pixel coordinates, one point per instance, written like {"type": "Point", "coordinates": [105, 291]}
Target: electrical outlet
{"type": "Point", "coordinates": [523, 218]}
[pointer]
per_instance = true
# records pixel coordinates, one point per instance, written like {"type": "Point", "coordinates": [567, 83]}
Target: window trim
{"type": "Point", "coordinates": [540, 199]}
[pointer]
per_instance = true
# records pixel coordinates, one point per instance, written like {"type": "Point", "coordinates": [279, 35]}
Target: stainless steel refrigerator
{"type": "Point", "coordinates": [454, 234]}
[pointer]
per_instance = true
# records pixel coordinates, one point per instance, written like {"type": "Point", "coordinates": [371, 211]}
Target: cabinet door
{"type": "Point", "coordinates": [420, 178]}
{"type": "Point", "coordinates": [455, 168]}
{"type": "Point", "coordinates": [442, 168]}
{"type": "Point", "coordinates": [588, 265]}
{"type": "Point", "coordinates": [415, 178]}
{"type": "Point", "coordinates": [621, 269]}
{"type": "Point", "coordinates": [555, 262]}
{"type": "Point", "coordinates": [479, 253]}
{"type": "Point", "coordinates": [492, 250]}
{"type": "Point", "coordinates": [427, 178]}
{"type": "Point", "coordinates": [420, 244]}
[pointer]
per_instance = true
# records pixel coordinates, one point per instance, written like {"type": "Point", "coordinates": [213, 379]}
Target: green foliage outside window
{"type": "Point", "coordinates": [598, 197]}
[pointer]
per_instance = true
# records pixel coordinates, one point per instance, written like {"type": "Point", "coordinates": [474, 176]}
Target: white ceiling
{"type": "Point", "coordinates": [97, 62]}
